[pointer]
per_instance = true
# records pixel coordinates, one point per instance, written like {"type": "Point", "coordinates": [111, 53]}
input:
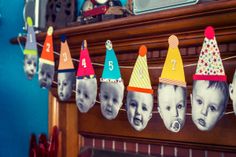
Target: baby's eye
{"type": "Point", "coordinates": [86, 96]}
{"type": "Point", "coordinates": [48, 75]}
{"type": "Point", "coordinates": [115, 101]}
{"type": "Point", "coordinates": [212, 108]}
{"type": "Point", "coordinates": [144, 108]}
{"type": "Point", "coordinates": [59, 83]}
{"type": "Point", "coordinates": [199, 101]}
{"type": "Point", "coordinates": [34, 64]}
{"type": "Point", "coordinates": [133, 104]}
{"type": "Point", "coordinates": [79, 91]}
{"type": "Point", "coordinates": [168, 108]}
{"type": "Point", "coordinates": [105, 97]}
{"type": "Point", "coordinates": [64, 83]}
{"type": "Point", "coordinates": [29, 62]}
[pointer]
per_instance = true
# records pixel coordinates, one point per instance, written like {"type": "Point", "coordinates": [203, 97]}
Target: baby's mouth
{"type": "Point", "coordinates": [81, 106]}
{"type": "Point", "coordinates": [202, 122]}
{"type": "Point", "coordinates": [61, 95]}
{"type": "Point", "coordinates": [138, 121]}
{"type": "Point", "coordinates": [176, 125]}
{"type": "Point", "coordinates": [43, 84]}
{"type": "Point", "coordinates": [109, 110]}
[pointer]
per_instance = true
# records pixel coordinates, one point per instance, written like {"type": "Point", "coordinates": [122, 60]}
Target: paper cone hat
{"type": "Point", "coordinates": [85, 69]}
{"type": "Point", "coordinates": [173, 70]}
{"type": "Point", "coordinates": [65, 62]}
{"type": "Point", "coordinates": [111, 71]}
{"type": "Point", "coordinates": [47, 53]}
{"type": "Point", "coordinates": [210, 65]}
{"type": "Point", "coordinates": [31, 45]}
{"type": "Point", "coordinates": [140, 80]}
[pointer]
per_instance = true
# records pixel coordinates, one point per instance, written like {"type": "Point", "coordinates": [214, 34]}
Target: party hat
{"type": "Point", "coordinates": [173, 70]}
{"type": "Point", "coordinates": [85, 69]}
{"type": "Point", "coordinates": [65, 62]}
{"type": "Point", "coordinates": [47, 53]}
{"type": "Point", "coordinates": [210, 65]}
{"type": "Point", "coordinates": [140, 80]}
{"type": "Point", "coordinates": [111, 71]}
{"type": "Point", "coordinates": [31, 45]}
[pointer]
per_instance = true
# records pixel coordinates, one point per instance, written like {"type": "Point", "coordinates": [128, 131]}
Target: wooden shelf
{"type": "Point", "coordinates": [152, 29]}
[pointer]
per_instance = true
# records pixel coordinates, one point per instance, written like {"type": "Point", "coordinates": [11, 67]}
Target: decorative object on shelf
{"type": "Point", "coordinates": [139, 103]}
{"type": "Point", "coordinates": [101, 10]}
{"type": "Point", "coordinates": [210, 90]}
{"type": "Point", "coordinates": [33, 148]}
{"type": "Point", "coordinates": [148, 6]}
{"type": "Point", "coordinates": [43, 146]}
{"type": "Point", "coordinates": [35, 9]}
{"type": "Point", "coordinates": [86, 82]}
{"type": "Point", "coordinates": [30, 51]}
{"type": "Point", "coordinates": [54, 143]}
{"type": "Point", "coordinates": [46, 62]}
{"type": "Point", "coordinates": [112, 86]}
{"type": "Point", "coordinates": [232, 92]}
{"type": "Point", "coordinates": [172, 89]}
{"type": "Point", "coordinates": [60, 13]}
{"type": "Point", "coordinates": [66, 72]}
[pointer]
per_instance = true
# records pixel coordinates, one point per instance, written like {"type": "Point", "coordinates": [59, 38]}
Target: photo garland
{"type": "Point", "coordinates": [209, 96]}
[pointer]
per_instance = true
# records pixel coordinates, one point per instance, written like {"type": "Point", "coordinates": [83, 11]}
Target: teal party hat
{"type": "Point", "coordinates": [111, 71]}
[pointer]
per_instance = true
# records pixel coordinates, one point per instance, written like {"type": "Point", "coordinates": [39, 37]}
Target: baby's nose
{"type": "Point", "coordinates": [175, 112]}
{"type": "Point", "coordinates": [61, 88]}
{"type": "Point", "coordinates": [204, 110]}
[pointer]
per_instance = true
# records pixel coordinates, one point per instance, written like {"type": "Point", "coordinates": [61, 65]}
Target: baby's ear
{"type": "Point", "coordinates": [99, 95]}
{"type": "Point", "coordinates": [159, 111]}
{"type": "Point", "coordinates": [150, 116]}
{"type": "Point", "coordinates": [231, 91]}
{"type": "Point", "coordinates": [191, 98]}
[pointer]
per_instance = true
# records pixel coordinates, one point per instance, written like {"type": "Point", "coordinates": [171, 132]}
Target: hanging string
{"type": "Point", "coordinates": [18, 40]}
{"type": "Point", "coordinates": [122, 67]}
{"type": "Point", "coordinates": [127, 67]}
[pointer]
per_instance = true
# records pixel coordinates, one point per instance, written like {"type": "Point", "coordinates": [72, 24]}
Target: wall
{"type": "Point", "coordinates": [23, 105]}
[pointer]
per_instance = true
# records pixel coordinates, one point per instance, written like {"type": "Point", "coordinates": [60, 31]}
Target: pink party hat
{"type": "Point", "coordinates": [85, 69]}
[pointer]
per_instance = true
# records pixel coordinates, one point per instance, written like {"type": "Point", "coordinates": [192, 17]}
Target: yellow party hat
{"type": "Point", "coordinates": [140, 80]}
{"type": "Point", "coordinates": [173, 70]}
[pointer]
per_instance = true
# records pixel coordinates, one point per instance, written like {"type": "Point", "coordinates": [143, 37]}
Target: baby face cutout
{"type": "Point", "coordinates": [139, 109]}
{"type": "Point", "coordinates": [65, 85]}
{"type": "Point", "coordinates": [232, 92]}
{"type": "Point", "coordinates": [46, 74]}
{"type": "Point", "coordinates": [208, 103]}
{"type": "Point", "coordinates": [172, 106]}
{"type": "Point", "coordinates": [111, 96]}
{"type": "Point", "coordinates": [30, 65]}
{"type": "Point", "coordinates": [86, 92]}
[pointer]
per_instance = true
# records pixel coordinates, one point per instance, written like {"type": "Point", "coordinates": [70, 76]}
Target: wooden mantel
{"type": "Point", "coordinates": [153, 30]}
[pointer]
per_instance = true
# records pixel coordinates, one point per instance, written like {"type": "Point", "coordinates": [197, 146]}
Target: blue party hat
{"type": "Point", "coordinates": [111, 71]}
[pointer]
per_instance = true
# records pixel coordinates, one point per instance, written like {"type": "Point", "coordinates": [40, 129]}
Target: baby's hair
{"type": "Point", "coordinates": [223, 86]}
{"type": "Point", "coordinates": [234, 78]}
{"type": "Point", "coordinates": [161, 85]}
